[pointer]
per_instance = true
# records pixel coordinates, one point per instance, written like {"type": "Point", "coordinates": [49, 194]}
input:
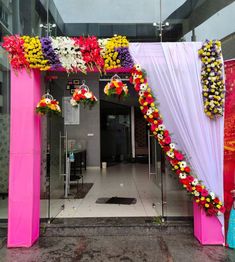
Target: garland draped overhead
{"type": "Point", "coordinates": [82, 54]}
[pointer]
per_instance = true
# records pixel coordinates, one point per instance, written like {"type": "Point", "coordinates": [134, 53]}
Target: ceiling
{"type": "Point", "coordinates": [134, 19]}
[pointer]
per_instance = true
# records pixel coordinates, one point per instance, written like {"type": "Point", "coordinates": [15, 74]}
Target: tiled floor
{"type": "Point", "coordinates": [124, 180]}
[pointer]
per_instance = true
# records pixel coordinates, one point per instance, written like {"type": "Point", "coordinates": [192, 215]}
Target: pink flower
{"type": "Point", "coordinates": [167, 140]}
{"type": "Point", "coordinates": [149, 100]}
{"type": "Point", "coordinates": [204, 192]}
{"type": "Point", "coordinates": [178, 155]}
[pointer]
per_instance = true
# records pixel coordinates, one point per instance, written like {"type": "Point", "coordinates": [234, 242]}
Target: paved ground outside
{"type": "Point", "coordinates": [166, 248]}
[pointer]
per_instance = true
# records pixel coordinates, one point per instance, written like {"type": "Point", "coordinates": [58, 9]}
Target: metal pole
{"type": "Point", "coordinates": [47, 25]}
{"type": "Point", "coordinates": [160, 21]}
{"type": "Point", "coordinates": [149, 154]}
{"type": "Point", "coordinates": [133, 131]}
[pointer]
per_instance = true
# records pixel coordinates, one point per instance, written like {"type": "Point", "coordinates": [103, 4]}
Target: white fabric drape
{"type": "Point", "coordinates": [173, 72]}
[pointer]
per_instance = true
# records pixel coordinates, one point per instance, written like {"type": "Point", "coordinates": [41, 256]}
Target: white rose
{"type": "Point", "coordinates": [212, 194]}
{"type": "Point", "coordinates": [182, 176]}
{"type": "Point", "coordinates": [88, 95]}
{"type": "Point", "coordinates": [73, 102]}
{"type": "Point", "coordinates": [143, 87]}
{"type": "Point", "coordinates": [195, 182]}
{"type": "Point", "coordinates": [170, 154]}
{"type": "Point", "coordinates": [182, 164]}
{"type": "Point", "coordinates": [47, 101]}
{"type": "Point", "coordinates": [161, 127]}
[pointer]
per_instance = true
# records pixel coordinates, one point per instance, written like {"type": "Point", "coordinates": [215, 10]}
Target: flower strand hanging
{"type": "Point", "coordinates": [212, 78]}
{"type": "Point", "coordinates": [201, 195]}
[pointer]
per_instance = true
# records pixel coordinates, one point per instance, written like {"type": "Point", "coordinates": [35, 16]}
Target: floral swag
{"type": "Point", "coordinates": [82, 54]}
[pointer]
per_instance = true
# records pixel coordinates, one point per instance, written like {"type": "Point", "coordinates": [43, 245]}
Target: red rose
{"type": "Point", "coordinates": [199, 188]}
{"type": "Point", "coordinates": [43, 104]}
{"type": "Point", "coordinates": [167, 140]}
{"type": "Point", "coordinates": [153, 127]}
{"type": "Point", "coordinates": [178, 172]}
{"type": "Point", "coordinates": [187, 169]}
{"type": "Point", "coordinates": [190, 178]}
{"type": "Point", "coordinates": [216, 200]}
{"type": "Point", "coordinates": [166, 148]}
{"type": "Point", "coordinates": [149, 100]}
{"type": "Point", "coordinates": [204, 192]}
{"type": "Point", "coordinates": [189, 188]}
{"type": "Point", "coordinates": [178, 155]}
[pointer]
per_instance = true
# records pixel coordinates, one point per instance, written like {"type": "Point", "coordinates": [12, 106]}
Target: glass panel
{"type": "Point", "coordinates": [56, 158]}
{"type": "Point", "coordinates": [176, 202]}
{"type": "Point", "coordinates": [155, 174]}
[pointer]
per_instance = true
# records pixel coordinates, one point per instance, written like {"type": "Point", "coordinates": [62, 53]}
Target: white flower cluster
{"type": "Point", "coordinates": [102, 44]}
{"type": "Point", "coordinates": [69, 54]}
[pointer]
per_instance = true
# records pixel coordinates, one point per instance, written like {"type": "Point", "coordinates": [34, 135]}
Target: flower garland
{"type": "Point", "coordinates": [90, 50]}
{"type": "Point", "coordinates": [201, 195]}
{"type": "Point", "coordinates": [34, 54]}
{"type": "Point", "coordinates": [48, 106]}
{"type": "Point", "coordinates": [72, 54]}
{"type": "Point", "coordinates": [212, 78]}
{"type": "Point", "coordinates": [14, 45]}
{"type": "Point", "coordinates": [116, 87]}
{"type": "Point", "coordinates": [83, 95]}
{"type": "Point", "coordinates": [69, 55]}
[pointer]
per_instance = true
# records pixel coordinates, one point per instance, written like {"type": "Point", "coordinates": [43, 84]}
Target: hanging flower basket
{"type": "Point", "coordinates": [116, 87]}
{"type": "Point", "coordinates": [48, 105]}
{"type": "Point", "coordinates": [83, 95]}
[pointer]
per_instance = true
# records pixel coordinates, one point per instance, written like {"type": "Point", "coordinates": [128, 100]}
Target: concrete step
{"type": "Point", "coordinates": [115, 226]}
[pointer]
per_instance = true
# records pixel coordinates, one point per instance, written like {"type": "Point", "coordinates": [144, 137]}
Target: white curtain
{"type": "Point", "coordinates": [173, 72]}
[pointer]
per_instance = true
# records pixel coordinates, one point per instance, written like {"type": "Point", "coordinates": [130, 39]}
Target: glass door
{"type": "Point", "coordinates": [154, 169]}
{"type": "Point", "coordinates": [56, 157]}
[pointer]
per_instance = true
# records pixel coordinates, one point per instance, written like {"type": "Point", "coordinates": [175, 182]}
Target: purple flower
{"type": "Point", "coordinates": [49, 53]}
{"type": "Point", "coordinates": [125, 57]}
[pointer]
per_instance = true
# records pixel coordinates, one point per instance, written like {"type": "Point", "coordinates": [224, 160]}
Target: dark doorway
{"type": "Point", "coordinates": [115, 133]}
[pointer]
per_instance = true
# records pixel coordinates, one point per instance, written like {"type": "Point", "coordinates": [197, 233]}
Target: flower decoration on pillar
{"type": "Point", "coordinates": [201, 195]}
{"type": "Point", "coordinates": [212, 78]}
{"type": "Point", "coordinates": [48, 105]}
{"type": "Point", "coordinates": [116, 87]}
{"type": "Point", "coordinates": [14, 45]}
{"type": "Point", "coordinates": [83, 95]}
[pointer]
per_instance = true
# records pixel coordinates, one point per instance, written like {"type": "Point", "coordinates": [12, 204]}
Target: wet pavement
{"type": "Point", "coordinates": [165, 248]}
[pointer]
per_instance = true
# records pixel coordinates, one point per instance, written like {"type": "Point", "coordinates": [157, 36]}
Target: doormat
{"type": "Point", "coordinates": [76, 191]}
{"type": "Point", "coordinates": [81, 190]}
{"type": "Point", "coordinates": [117, 201]}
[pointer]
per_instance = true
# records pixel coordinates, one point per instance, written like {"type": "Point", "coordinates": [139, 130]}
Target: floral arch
{"type": "Point", "coordinates": [31, 55]}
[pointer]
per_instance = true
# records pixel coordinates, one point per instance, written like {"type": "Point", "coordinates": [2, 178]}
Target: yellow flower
{"type": "Point", "coordinates": [202, 198]}
{"type": "Point", "coordinates": [207, 205]}
{"type": "Point", "coordinates": [208, 199]}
